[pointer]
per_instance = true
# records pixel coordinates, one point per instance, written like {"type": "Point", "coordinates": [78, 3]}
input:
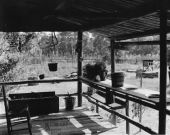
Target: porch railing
{"type": "Point", "coordinates": [127, 95]}
{"type": "Point", "coordinates": [118, 92]}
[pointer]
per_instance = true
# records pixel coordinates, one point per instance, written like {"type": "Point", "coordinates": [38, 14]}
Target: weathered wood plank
{"type": "Point", "coordinates": [79, 121]}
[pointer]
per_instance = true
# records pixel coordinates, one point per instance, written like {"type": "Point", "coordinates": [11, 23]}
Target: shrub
{"type": "Point", "coordinates": [96, 72]}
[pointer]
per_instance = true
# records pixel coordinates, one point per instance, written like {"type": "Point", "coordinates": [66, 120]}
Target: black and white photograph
{"type": "Point", "coordinates": [84, 67]}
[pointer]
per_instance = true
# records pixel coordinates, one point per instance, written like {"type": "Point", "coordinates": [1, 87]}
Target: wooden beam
{"type": "Point", "coordinates": [79, 57]}
{"type": "Point", "coordinates": [163, 66]}
{"type": "Point", "coordinates": [140, 43]}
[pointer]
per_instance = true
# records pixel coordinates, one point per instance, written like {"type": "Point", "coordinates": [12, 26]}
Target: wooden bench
{"type": "Point", "coordinates": [40, 103]}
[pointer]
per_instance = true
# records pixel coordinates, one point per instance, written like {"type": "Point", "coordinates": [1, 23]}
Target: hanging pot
{"type": "Point", "coordinates": [52, 66]}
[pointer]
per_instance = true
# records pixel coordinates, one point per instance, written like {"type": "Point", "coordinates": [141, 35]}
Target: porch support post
{"type": "Point", "coordinates": [79, 73]}
{"type": "Point", "coordinates": [163, 67]}
{"type": "Point", "coordinates": [112, 44]}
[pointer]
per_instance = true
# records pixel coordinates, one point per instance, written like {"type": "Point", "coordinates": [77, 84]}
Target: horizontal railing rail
{"type": "Point", "coordinates": [38, 81]}
{"type": "Point", "coordinates": [122, 93]}
{"type": "Point", "coordinates": [64, 95]}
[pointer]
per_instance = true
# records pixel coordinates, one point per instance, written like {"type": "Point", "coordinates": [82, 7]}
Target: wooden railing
{"type": "Point", "coordinates": [107, 108]}
{"type": "Point", "coordinates": [118, 92]}
{"type": "Point", "coordinates": [3, 84]}
{"type": "Point", "coordinates": [127, 95]}
{"type": "Point", "coordinates": [38, 81]}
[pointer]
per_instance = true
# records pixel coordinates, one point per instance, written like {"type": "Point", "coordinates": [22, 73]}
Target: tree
{"type": "Point", "coordinates": [67, 43]}
{"type": "Point", "coordinates": [144, 50]}
{"type": "Point", "coordinates": [19, 40]}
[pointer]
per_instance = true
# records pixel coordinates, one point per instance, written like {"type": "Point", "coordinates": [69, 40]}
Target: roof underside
{"type": "Point", "coordinates": [120, 19]}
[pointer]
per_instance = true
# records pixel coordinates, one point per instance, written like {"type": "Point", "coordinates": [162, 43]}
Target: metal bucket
{"type": "Point", "coordinates": [118, 79]}
{"type": "Point", "coordinates": [69, 103]}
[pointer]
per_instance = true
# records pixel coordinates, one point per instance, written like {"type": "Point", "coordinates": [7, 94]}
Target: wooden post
{"type": "Point", "coordinates": [112, 56]}
{"type": "Point", "coordinates": [109, 96]}
{"type": "Point", "coordinates": [6, 110]}
{"type": "Point", "coordinates": [112, 44]}
{"type": "Point", "coordinates": [112, 71]}
{"type": "Point", "coordinates": [97, 106]}
{"type": "Point", "coordinates": [163, 66]}
{"type": "Point", "coordinates": [140, 116]}
{"type": "Point", "coordinates": [141, 80]}
{"type": "Point", "coordinates": [127, 114]}
{"type": "Point", "coordinates": [79, 50]}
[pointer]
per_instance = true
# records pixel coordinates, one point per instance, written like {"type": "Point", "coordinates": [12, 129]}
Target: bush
{"type": "Point", "coordinates": [96, 72]}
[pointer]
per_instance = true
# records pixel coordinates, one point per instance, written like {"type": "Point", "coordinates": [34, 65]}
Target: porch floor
{"type": "Point", "coordinates": [80, 121]}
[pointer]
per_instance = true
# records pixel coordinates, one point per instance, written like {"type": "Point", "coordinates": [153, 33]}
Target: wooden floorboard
{"type": "Point", "coordinates": [80, 121]}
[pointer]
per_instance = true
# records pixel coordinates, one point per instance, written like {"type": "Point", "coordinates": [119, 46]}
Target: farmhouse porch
{"type": "Point", "coordinates": [115, 19]}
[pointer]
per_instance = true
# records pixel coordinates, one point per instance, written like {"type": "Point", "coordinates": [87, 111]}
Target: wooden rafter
{"type": "Point", "coordinates": [140, 43]}
{"type": "Point", "coordinates": [118, 18]}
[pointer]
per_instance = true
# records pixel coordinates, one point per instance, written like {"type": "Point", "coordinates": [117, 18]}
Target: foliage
{"type": "Point", "coordinates": [19, 40]}
{"type": "Point", "coordinates": [144, 50]}
{"type": "Point", "coordinates": [5, 67]}
{"type": "Point", "coordinates": [13, 46]}
{"type": "Point", "coordinates": [96, 72]}
{"type": "Point", "coordinates": [20, 49]}
{"type": "Point", "coordinates": [96, 46]}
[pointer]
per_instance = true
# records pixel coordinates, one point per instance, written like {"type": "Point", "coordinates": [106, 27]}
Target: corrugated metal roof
{"type": "Point", "coordinates": [112, 18]}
